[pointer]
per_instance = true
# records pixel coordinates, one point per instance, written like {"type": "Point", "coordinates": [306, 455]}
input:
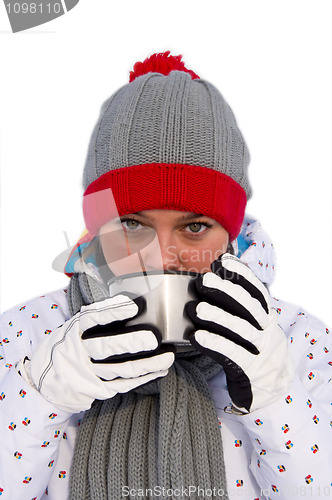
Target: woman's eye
{"type": "Point", "coordinates": [131, 224]}
{"type": "Point", "coordinates": [196, 227]}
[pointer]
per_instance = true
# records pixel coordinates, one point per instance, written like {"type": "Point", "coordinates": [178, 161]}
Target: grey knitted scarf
{"type": "Point", "coordinates": [161, 440]}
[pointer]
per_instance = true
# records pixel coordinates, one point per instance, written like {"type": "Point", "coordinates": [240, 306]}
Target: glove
{"type": "Point", "coordinates": [95, 356]}
{"type": "Point", "coordinates": [235, 325]}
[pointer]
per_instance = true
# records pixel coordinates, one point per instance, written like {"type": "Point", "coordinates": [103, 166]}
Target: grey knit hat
{"type": "Point", "coordinates": [166, 140]}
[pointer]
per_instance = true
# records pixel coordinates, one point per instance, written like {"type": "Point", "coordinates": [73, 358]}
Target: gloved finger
{"type": "Point", "coordinates": [108, 389]}
{"type": "Point", "coordinates": [134, 368]}
{"type": "Point", "coordinates": [231, 297]}
{"type": "Point", "coordinates": [120, 385]}
{"type": "Point", "coordinates": [133, 339]}
{"type": "Point", "coordinates": [119, 358]}
{"type": "Point", "coordinates": [118, 308]}
{"type": "Point", "coordinates": [214, 319]}
{"type": "Point", "coordinates": [238, 383]}
{"type": "Point", "coordinates": [227, 353]}
{"type": "Point", "coordinates": [231, 268]}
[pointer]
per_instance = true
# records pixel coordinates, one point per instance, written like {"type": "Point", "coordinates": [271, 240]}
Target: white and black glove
{"type": "Point", "coordinates": [95, 356]}
{"type": "Point", "coordinates": [235, 325]}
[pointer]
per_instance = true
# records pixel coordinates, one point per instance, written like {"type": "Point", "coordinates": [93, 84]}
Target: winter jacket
{"type": "Point", "coordinates": [283, 450]}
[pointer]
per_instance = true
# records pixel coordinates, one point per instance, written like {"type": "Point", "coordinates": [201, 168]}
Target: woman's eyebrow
{"type": "Point", "coordinates": [190, 216]}
{"type": "Point", "coordinates": [180, 219]}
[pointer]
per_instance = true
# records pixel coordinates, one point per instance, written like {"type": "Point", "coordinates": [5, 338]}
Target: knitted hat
{"type": "Point", "coordinates": [167, 140]}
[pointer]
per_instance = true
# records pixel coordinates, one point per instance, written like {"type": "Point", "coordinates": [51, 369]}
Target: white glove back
{"type": "Point", "coordinates": [94, 356]}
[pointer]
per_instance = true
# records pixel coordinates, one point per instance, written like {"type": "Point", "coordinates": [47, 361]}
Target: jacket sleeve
{"type": "Point", "coordinates": [292, 437]}
{"type": "Point", "coordinates": [30, 427]}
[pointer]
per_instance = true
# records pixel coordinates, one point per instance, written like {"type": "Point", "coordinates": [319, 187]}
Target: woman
{"type": "Point", "coordinates": [95, 408]}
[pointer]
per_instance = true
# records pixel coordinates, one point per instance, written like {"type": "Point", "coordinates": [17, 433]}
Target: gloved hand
{"type": "Point", "coordinates": [95, 356]}
{"type": "Point", "coordinates": [236, 326]}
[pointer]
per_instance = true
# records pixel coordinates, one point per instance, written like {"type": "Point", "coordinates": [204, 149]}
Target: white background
{"type": "Point", "coordinates": [271, 59]}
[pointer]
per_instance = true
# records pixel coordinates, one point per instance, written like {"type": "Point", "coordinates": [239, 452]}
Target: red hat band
{"type": "Point", "coordinates": [165, 186]}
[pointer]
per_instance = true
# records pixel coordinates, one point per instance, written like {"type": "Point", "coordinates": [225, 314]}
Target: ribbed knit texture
{"type": "Point", "coordinates": [164, 434]}
{"type": "Point", "coordinates": [170, 187]}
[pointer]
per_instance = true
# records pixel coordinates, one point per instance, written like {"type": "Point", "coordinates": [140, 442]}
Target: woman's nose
{"type": "Point", "coordinates": [170, 258]}
{"type": "Point", "coordinates": [162, 254]}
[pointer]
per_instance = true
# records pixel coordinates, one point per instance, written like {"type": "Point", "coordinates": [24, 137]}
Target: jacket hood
{"type": "Point", "coordinates": [254, 247]}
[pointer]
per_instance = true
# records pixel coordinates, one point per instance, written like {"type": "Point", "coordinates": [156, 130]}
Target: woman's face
{"type": "Point", "coordinates": [155, 240]}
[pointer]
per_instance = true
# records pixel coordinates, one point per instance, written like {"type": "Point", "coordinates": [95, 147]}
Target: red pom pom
{"type": "Point", "coordinates": [160, 63]}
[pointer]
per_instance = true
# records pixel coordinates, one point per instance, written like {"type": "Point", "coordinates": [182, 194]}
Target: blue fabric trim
{"type": "Point", "coordinates": [242, 245]}
{"type": "Point", "coordinates": [77, 255]}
